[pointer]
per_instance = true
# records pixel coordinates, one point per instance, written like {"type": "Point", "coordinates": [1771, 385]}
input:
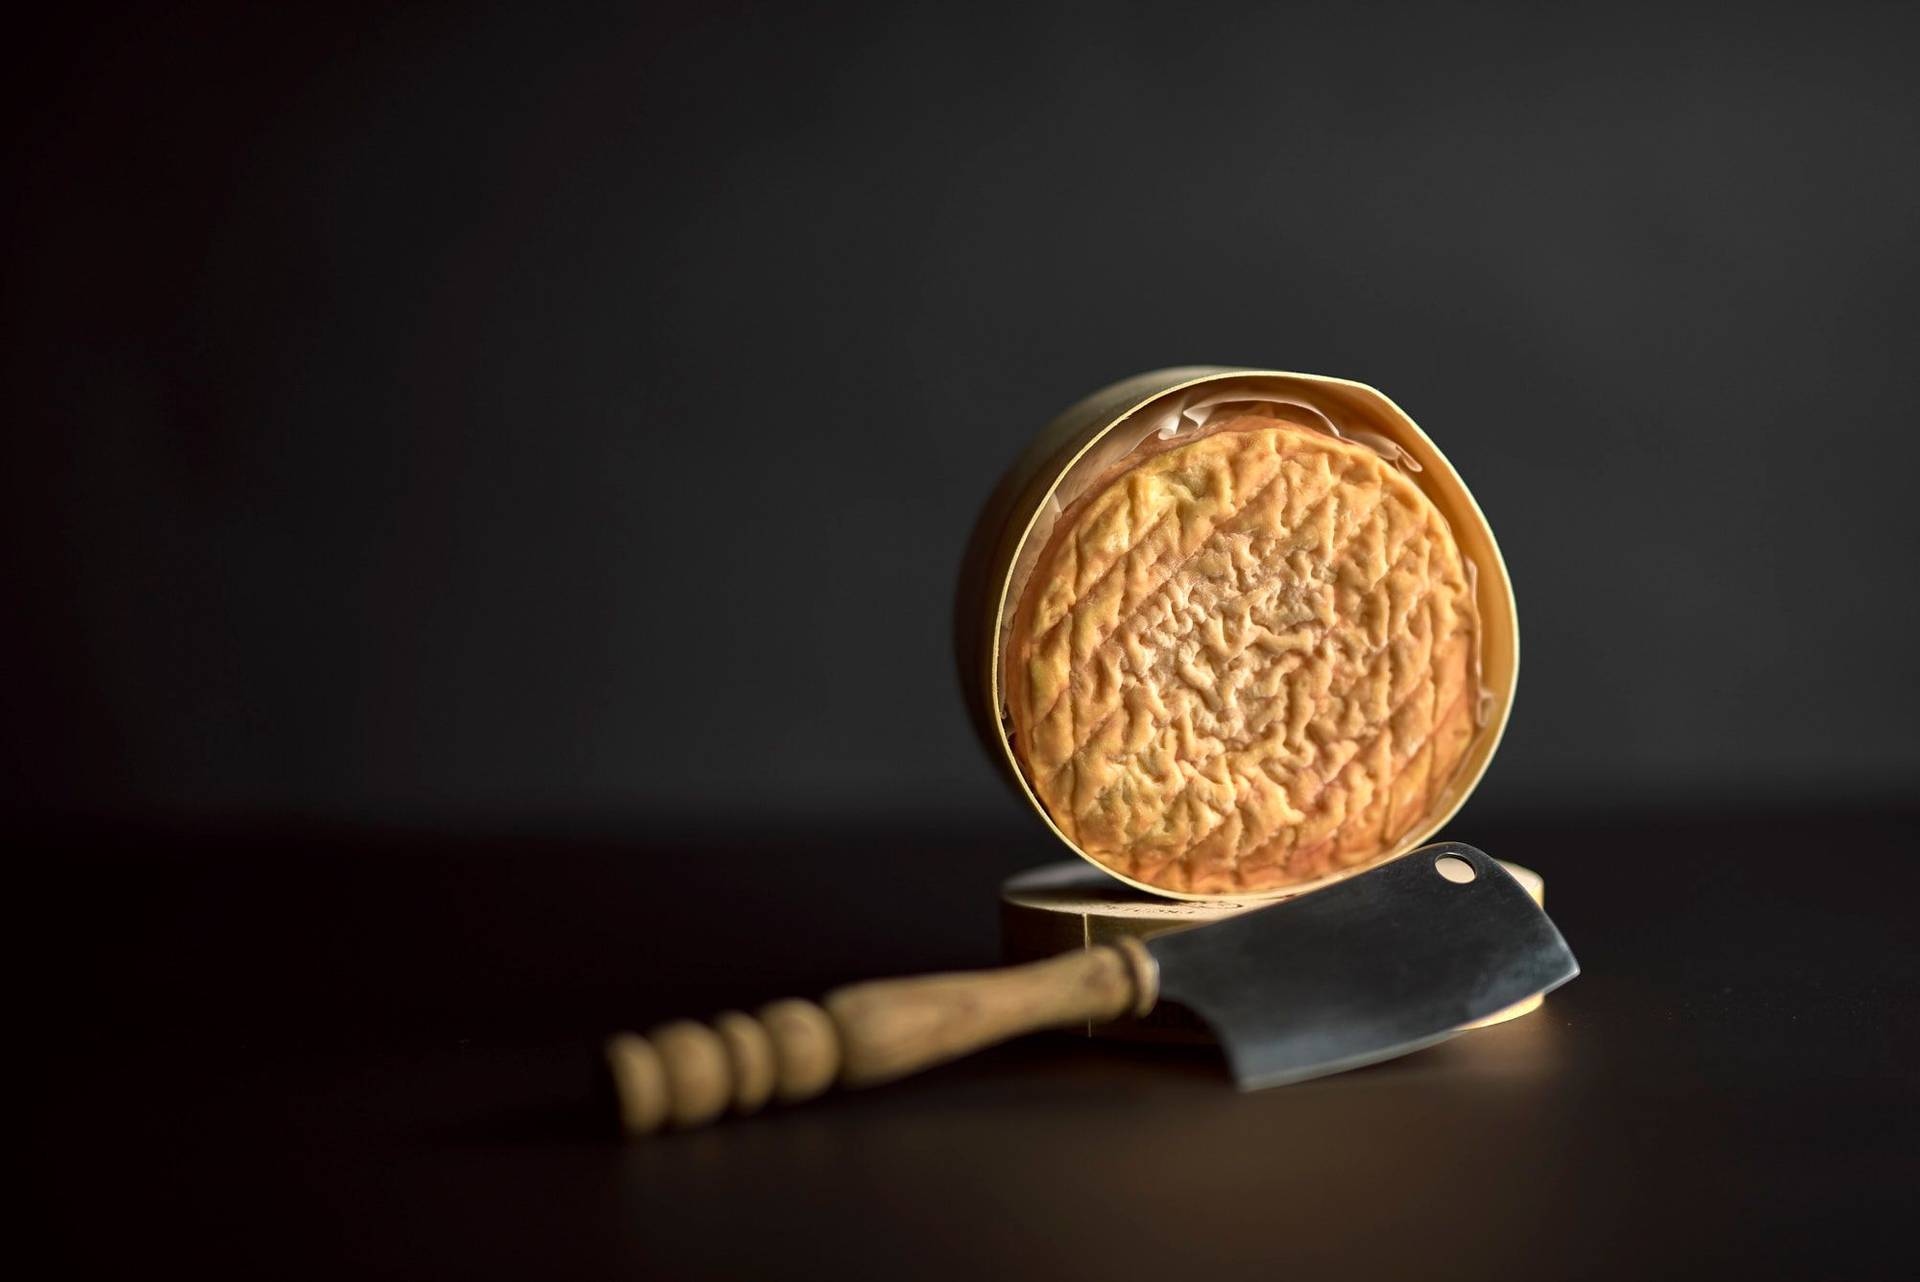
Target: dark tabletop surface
{"type": "Point", "coordinates": [273, 1050]}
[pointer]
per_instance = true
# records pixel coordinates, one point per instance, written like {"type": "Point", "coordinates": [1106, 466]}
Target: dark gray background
{"type": "Point", "coordinates": [455, 416]}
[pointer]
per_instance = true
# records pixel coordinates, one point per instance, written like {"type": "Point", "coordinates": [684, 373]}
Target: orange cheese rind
{"type": "Point", "coordinates": [1244, 661]}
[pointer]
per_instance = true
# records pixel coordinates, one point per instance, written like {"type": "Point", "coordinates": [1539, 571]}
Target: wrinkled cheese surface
{"type": "Point", "coordinates": [1244, 662]}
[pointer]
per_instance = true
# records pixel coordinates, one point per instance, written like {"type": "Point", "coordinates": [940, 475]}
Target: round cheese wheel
{"type": "Point", "coordinates": [1245, 659]}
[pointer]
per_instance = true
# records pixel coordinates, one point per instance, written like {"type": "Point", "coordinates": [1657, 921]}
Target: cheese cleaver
{"type": "Point", "coordinates": [1378, 965]}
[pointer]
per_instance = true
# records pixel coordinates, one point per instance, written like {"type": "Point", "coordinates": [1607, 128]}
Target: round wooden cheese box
{"type": "Point", "coordinates": [1236, 633]}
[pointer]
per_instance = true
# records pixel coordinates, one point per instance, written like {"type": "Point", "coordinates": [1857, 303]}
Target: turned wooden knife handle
{"type": "Point", "coordinates": [686, 1073]}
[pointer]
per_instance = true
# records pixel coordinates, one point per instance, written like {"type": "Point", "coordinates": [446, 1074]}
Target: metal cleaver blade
{"type": "Point", "coordinates": [1375, 966]}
